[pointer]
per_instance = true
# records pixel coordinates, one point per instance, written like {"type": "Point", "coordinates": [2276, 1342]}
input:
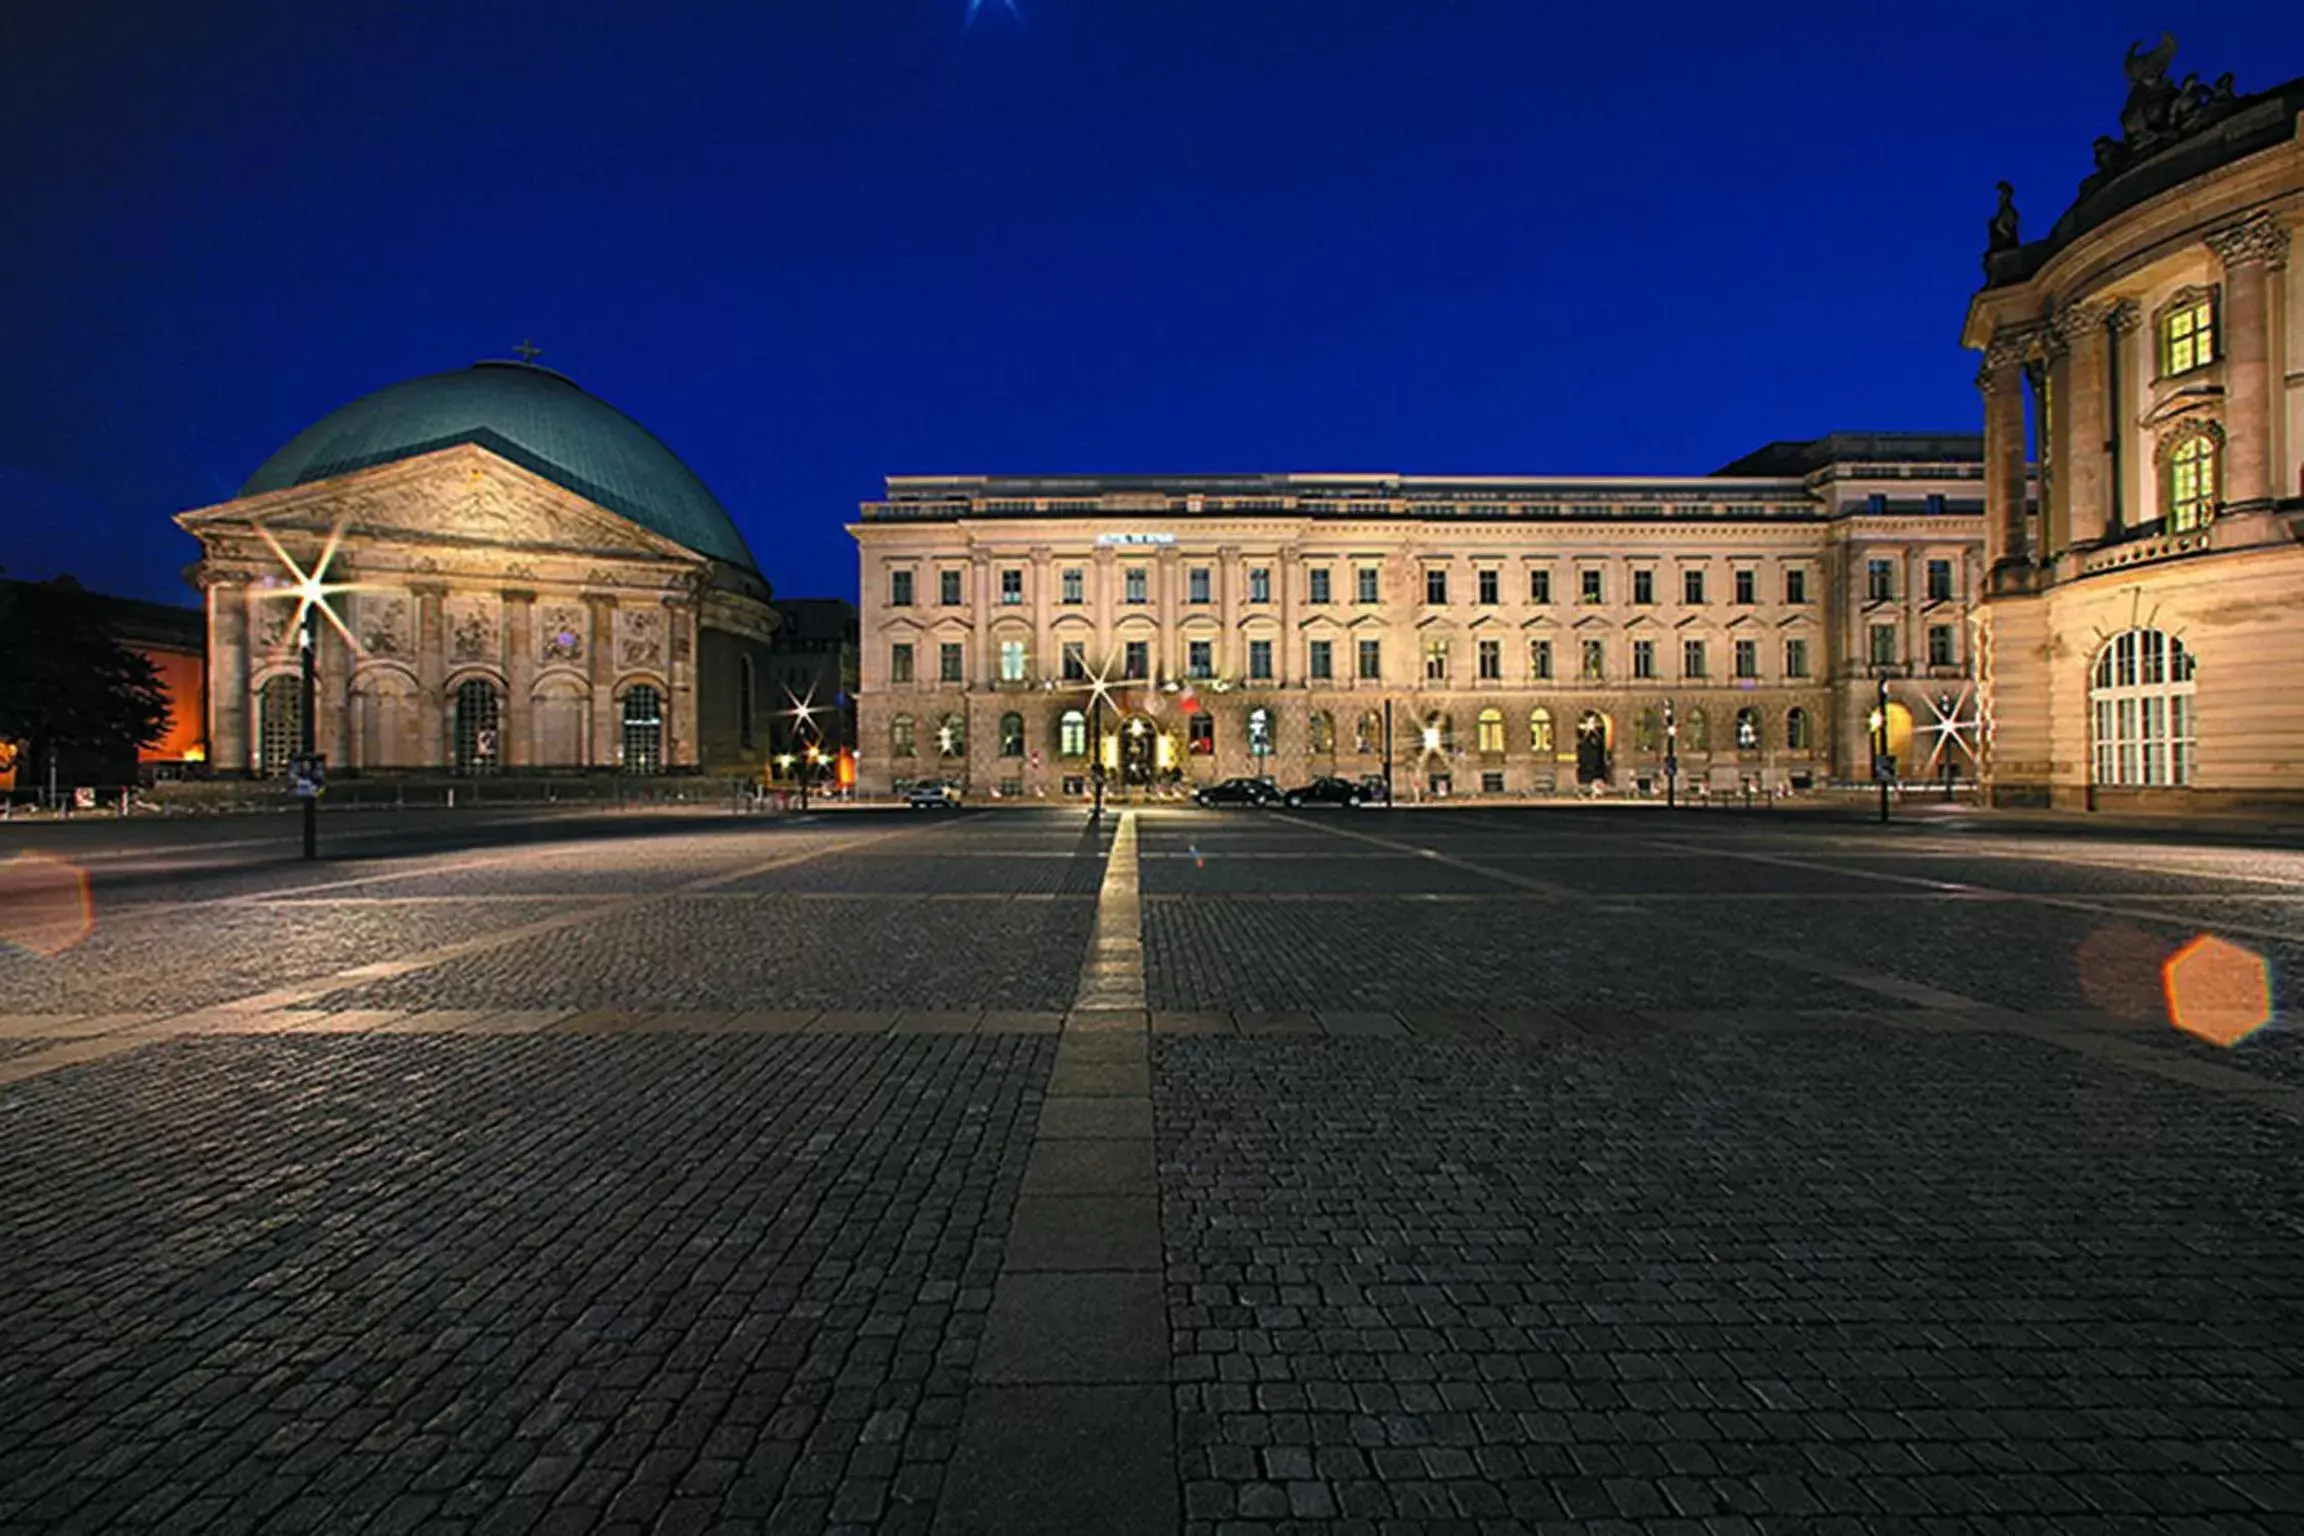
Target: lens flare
{"type": "Point", "coordinates": [2218, 990]}
{"type": "Point", "coordinates": [45, 905]}
{"type": "Point", "coordinates": [2119, 968]}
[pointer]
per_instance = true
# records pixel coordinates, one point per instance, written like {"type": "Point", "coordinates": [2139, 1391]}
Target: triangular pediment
{"type": "Point", "coordinates": [459, 497]}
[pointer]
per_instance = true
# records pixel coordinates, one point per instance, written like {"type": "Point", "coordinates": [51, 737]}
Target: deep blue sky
{"type": "Point", "coordinates": [809, 244]}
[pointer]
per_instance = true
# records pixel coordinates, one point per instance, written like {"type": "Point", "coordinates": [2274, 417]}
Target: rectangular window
{"type": "Point", "coordinates": [1075, 661]}
{"type": "Point", "coordinates": [1883, 645]}
{"type": "Point", "coordinates": [1200, 658]}
{"type": "Point", "coordinates": [1201, 734]}
{"type": "Point", "coordinates": [1196, 585]}
{"type": "Point", "coordinates": [1692, 587]}
{"type": "Point", "coordinates": [1747, 587]}
{"type": "Point", "coordinates": [1075, 587]}
{"type": "Point", "coordinates": [1436, 585]}
{"type": "Point", "coordinates": [1317, 582]}
{"type": "Point", "coordinates": [1691, 658]}
{"type": "Point", "coordinates": [1590, 577]}
{"type": "Point", "coordinates": [1260, 584]}
{"type": "Point", "coordinates": [1321, 660]}
{"type": "Point", "coordinates": [1260, 661]}
{"type": "Point", "coordinates": [1939, 581]}
{"type": "Point", "coordinates": [1540, 660]}
{"type": "Point", "coordinates": [1940, 645]}
{"type": "Point", "coordinates": [1747, 658]}
{"type": "Point", "coordinates": [949, 663]}
{"type": "Point", "coordinates": [1643, 658]}
{"type": "Point", "coordinates": [1934, 503]}
{"type": "Point", "coordinates": [1372, 660]}
{"type": "Point", "coordinates": [1795, 658]}
{"type": "Point", "coordinates": [1643, 587]}
{"type": "Point", "coordinates": [1435, 661]}
{"type": "Point", "coordinates": [948, 588]}
{"type": "Point", "coordinates": [1876, 503]}
{"type": "Point", "coordinates": [1365, 578]}
{"type": "Point", "coordinates": [1487, 581]}
{"type": "Point", "coordinates": [1011, 661]}
{"type": "Point", "coordinates": [899, 589]}
{"type": "Point", "coordinates": [1491, 661]}
{"type": "Point", "coordinates": [900, 663]}
{"type": "Point", "coordinates": [1540, 587]}
{"type": "Point", "coordinates": [1796, 585]}
{"type": "Point", "coordinates": [1879, 580]}
{"type": "Point", "coordinates": [1595, 659]}
{"type": "Point", "coordinates": [1011, 588]}
{"type": "Point", "coordinates": [2188, 336]}
{"type": "Point", "coordinates": [1132, 584]}
{"type": "Point", "coordinates": [1136, 660]}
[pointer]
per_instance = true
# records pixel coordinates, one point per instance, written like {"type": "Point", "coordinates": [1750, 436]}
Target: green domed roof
{"type": "Point", "coordinates": [531, 416]}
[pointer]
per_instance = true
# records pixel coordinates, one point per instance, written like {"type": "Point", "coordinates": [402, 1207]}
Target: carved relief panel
{"type": "Point", "coordinates": [472, 629]}
{"type": "Point", "coordinates": [560, 633]}
{"type": "Point", "coordinates": [380, 621]}
{"type": "Point", "coordinates": [640, 637]}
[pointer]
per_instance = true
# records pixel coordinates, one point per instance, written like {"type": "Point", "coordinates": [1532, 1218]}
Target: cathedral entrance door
{"type": "Point", "coordinates": [477, 725]}
{"type": "Point", "coordinates": [1139, 751]}
{"type": "Point", "coordinates": [1592, 754]}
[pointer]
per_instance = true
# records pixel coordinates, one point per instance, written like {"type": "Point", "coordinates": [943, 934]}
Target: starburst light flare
{"type": "Point", "coordinates": [1951, 727]}
{"type": "Point", "coordinates": [312, 589]}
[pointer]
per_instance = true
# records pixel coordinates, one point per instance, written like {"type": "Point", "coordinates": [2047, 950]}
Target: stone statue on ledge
{"type": "Point", "coordinates": [2000, 235]}
{"type": "Point", "coordinates": [2157, 112]}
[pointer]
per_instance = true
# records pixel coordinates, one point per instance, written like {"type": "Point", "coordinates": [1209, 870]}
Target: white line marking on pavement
{"type": "Point", "coordinates": [1112, 976]}
{"type": "Point", "coordinates": [1526, 883]}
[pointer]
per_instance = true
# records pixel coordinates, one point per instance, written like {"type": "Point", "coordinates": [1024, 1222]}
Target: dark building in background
{"type": "Point", "coordinates": [812, 661]}
{"type": "Point", "coordinates": [174, 640]}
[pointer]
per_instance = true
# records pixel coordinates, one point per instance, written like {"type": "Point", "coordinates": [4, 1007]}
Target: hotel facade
{"type": "Point", "coordinates": [1474, 636]}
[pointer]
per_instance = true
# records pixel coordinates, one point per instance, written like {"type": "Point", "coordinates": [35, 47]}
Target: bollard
{"type": "Point", "coordinates": [451, 797]}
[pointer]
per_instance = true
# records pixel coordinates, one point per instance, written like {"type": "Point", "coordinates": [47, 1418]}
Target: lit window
{"type": "Point", "coordinates": [1491, 661]}
{"type": "Point", "coordinates": [1260, 584]}
{"type": "Point", "coordinates": [1260, 732]}
{"type": "Point", "coordinates": [1201, 734]}
{"type": "Point", "coordinates": [1747, 658]}
{"type": "Point", "coordinates": [900, 663]}
{"type": "Point", "coordinates": [1487, 582]}
{"type": "Point", "coordinates": [1260, 661]}
{"type": "Point", "coordinates": [899, 589]}
{"type": "Point", "coordinates": [1321, 656]}
{"type": "Point", "coordinates": [1371, 660]}
{"type": "Point", "coordinates": [952, 736]}
{"type": "Point", "coordinates": [1643, 658]}
{"type": "Point", "coordinates": [1747, 730]}
{"type": "Point", "coordinates": [1011, 735]}
{"type": "Point", "coordinates": [1368, 734]}
{"type": "Point", "coordinates": [2191, 481]}
{"type": "Point", "coordinates": [2188, 334]}
{"type": "Point", "coordinates": [948, 588]}
{"type": "Point", "coordinates": [2140, 705]}
{"type": "Point", "coordinates": [1540, 729]}
{"type": "Point", "coordinates": [1491, 732]}
{"type": "Point", "coordinates": [1011, 661]}
{"type": "Point", "coordinates": [1320, 732]}
{"type": "Point", "coordinates": [1200, 658]}
{"type": "Point", "coordinates": [1436, 585]}
{"type": "Point", "coordinates": [1072, 734]}
{"type": "Point", "coordinates": [1540, 660]}
{"type": "Point", "coordinates": [1435, 661]}
{"type": "Point", "coordinates": [1595, 659]}
{"type": "Point", "coordinates": [1691, 658]}
{"type": "Point", "coordinates": [900, 737]}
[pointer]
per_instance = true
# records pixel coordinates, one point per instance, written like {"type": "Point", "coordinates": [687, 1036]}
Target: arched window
{"type": "Point", "coordinates": [1368, 735]}
{"type": "Point", "coordinates": [478, 748]}
{"type": "Point", "coordinates": [2188, 478]}
{"type": "Point", "coordinates": [643, 729]}
{"type": "Point", "coordinates": [1439, 732]}
{"type": "Point", "coordinates": [901, 737]}
{"type": "Point", "coordinates": [1696, 732]}
{"type": "Point", "coordinates": [952, 736]}
{"type": "Point", "coordinates": [1260, 733]}
{"type": "Point", "coordinates": [1796, 735]}
{"type": "Point", "coordinates": [2140, 704]}
{"type": "Point", "coordinates": [1011, 735]}
{"type": "Point", "coordinates": [1072, 734]}
{"type": "Point", "coordinates": [744, 701]}
{"type": "Point", "coordinates": [1747, 730]}
{"type": "Point", "coordinates": [1320, 730]}
{"type": "Point", "coordinates": [1491, 732]}
{"type": "Point", "coordinates": [1648, 731]}
{"type": "Point", "coordinates": [1540, 729]}
{"type": "Point", "coordinates": [279, 725]}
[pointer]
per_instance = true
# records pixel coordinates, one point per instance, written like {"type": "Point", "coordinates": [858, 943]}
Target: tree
{"type": "Point", "coordinates": [67, 684]}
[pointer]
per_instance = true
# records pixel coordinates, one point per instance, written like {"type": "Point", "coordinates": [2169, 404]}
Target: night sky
{"type": "Point", "coordinates": [810, 244]}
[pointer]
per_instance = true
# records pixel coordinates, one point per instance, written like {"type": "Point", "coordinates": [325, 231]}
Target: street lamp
{"type": "Point", "coordinates": [311, 589]}
{"type": "Point", "coordinates": [308, 648]}
{"type": "Point", "coordinates": [1883, 766]}
{"type": "Point", "coordinates": [1671, 757]}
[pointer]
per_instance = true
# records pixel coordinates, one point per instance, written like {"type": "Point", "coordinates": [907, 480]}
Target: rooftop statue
{"type": "Point", "coordinates": [2157, 112]}
{"type": "Point", "coordinates": [2000, 235]}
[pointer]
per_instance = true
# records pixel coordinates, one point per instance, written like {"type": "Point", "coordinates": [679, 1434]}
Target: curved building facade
{"type": "Point", "coordinates": [2143, 380]}
{"type": "Point", "coordinates": [517, 578]}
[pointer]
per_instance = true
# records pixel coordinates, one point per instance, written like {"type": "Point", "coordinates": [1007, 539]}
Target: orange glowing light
{"type": "Point", "coordinates": [2218, 990]}
{"type": "Point", "coordinates": [45, 906]}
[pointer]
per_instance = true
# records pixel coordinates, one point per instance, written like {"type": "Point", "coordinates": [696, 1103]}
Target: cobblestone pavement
{"type": "Point", "coordinates": [1455, 1171]}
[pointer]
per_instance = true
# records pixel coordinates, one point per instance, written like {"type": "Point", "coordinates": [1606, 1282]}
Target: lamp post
{"type": "Point", "coordinates": [1671, 757]}
{"type": "Point", "coordinates": [308, 647]}
{"type": "Point", "coordinates": [1388, 800]}
{"type": "Point", "coordinates": [812, 757]}
{"type": "Point", "coordinates": [1883, 769]}
{"type": "Point", "coordinates": [1096, 752]}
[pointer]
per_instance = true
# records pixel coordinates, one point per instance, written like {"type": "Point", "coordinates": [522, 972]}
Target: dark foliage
{"type": "Point", "coordinates": [66, 681]}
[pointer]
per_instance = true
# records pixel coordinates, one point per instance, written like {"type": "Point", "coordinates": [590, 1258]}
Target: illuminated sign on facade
{"type": "Point", "coordinates": [1135, 538]}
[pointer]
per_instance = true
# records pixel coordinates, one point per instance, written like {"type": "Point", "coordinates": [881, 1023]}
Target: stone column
{"type": "Point", "coordinates": [2250, 251]}
{"type": "Point", "coordinates": [431, 673]}
{"type": "Point", "coordinates": [1287, 667]}
{"type": "Point", "coordinates": [2054, 373]}
{"type": "Point", "coordinates": [1231, 657]}
{"type": "Point", "coordinates": [1042, 599]}
{"type": "Point", "coordinates": [519, 677]}
{"type": "Point", "coordinates": [230, 736]}
{"type": "Point", "coordinates": [1104, 597]}
{"type": "Point", "coordinates": [1167, 661]}
{"type": "Point", "coordinates": [1914, 627]}
{"type": "Point", "coordinates": [683, 736]}
{"type": "Point", "coordinates": [2122, 373]}
{"type": "Point", "coordinates": [2082, 499]}
{"type": "Point", "coordinates": [2002, 381]}
{"type": "Point", "coordinates": [987, 668]}
{"type": "Point", "coordinates": [602, 653]}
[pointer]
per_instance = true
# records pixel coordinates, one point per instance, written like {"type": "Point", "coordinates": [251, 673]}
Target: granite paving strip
{"type": "Point", "coordinates": [1069, 1427]}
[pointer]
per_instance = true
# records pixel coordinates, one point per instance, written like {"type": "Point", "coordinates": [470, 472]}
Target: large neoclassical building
{"type": "Point", "coordinates": [534, 583]}
{"type": "Point", "coordinates": [2143, 379]}
{"type": "Point", "coordinates": [1521, 635]}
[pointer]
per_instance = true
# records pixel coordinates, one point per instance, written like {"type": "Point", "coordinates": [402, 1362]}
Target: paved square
{"type": "Point", "coordinates": [1472, 1169]}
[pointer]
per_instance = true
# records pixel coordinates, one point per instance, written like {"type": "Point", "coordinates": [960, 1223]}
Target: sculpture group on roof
{"type": "Point", "coordinates": [2158, 112]}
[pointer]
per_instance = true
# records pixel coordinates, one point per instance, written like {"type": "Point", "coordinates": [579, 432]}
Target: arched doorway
{"type": "Point", "coordinates": [2140, 697]}
{"type": "Point", "coordinates": [1594, 748]}
{"type": "Point", "coordinates": [479, 746]}
{"type": "Point", "coordinates": [643, 729]}
{"type": "Point", "coordinates": [279, 725]}
{"type": "Point", "coordinates": [1138, 746]}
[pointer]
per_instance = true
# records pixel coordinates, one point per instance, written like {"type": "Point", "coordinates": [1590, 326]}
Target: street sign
{"type": "Point", "coordinates": [307, 775]}
{"type": "Point", "coordinates": [1884, 769]}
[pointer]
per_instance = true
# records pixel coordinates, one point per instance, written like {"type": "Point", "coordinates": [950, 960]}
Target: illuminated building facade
{"type": "Point", "coordinates": [2143, 384]}
{"type": "Point", "coordinates": [1532, 636]}
{"type": "Point", "coordinates": [536, 584]}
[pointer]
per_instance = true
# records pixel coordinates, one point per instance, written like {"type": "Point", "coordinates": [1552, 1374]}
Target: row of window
{"type": "Point", "coordinates": [476, 739]}
{"type": "Point", "coordinates": [1368, 659]}
{"type": "Point", "coordinates": [1690, 732]}
{"type": "Point", "coordinates": [1135, 585]}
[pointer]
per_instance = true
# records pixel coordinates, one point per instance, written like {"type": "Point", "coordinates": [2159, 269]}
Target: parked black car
{"type": "Point", "coordinates": [1327, 792]}
{"type": "Point", "coordinates": [1237, 792]}
{"type": "Point", "coordinates": [1374, 791]}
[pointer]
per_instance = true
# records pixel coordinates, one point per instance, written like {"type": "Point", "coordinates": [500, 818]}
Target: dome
{"type": "Point", "coordinates": [531, 416]}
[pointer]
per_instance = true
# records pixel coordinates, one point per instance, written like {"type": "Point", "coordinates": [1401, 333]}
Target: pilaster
{"type": "Point", "coordinates": [605, 720]}
{"type": "Point", "coordinates": [230, 739]}
{"type": "Point", "coordinates": [2250, 252]}
{"type": "Point", "coordinates": [431, 672]}
{"type": "Point", "coordinates": [2002, 381]}
{"type": "Point", "coordinates": [519, 677]}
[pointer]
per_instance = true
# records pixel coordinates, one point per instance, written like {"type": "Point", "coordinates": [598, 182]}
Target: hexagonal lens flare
{"type": "Point", "coordinates": [2218, 990]}
{"type": "Point", "coordinates": [45, 904]}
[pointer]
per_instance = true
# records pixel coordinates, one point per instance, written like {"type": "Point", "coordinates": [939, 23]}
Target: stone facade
{"type": "Point", "coordinates": [1230, 616]}
{"type": "Point", "coordinates": [461, 568]}
{"type": "Point", "coordinates": [2143, 383]}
